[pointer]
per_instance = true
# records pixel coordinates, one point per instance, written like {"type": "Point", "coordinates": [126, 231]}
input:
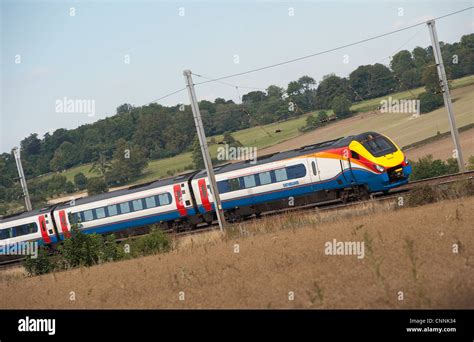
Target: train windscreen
{"type": "Point", "coordinates": [378, 145]}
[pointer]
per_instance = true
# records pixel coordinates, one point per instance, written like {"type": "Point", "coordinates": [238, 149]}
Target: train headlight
{"type": "Point", "coordinates": [379, 168]}
{"type": "Point", "coordinates": [406, 160]}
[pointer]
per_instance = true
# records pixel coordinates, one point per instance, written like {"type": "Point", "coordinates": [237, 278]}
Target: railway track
{"type": "Point", "coordinates": [325, 206]}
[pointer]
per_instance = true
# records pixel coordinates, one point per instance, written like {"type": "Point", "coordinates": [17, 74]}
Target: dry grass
{"type": "Point", "coordinates": [408, 250]}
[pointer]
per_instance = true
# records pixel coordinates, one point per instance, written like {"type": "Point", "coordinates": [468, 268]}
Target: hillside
{"type": "Point", "coordinates": [283, 256]}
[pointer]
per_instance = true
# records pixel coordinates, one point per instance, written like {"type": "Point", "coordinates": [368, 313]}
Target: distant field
{"type": "Point", "coordinates": [398, 126]}
{"type": "Point", "coordinates": [282, 263]}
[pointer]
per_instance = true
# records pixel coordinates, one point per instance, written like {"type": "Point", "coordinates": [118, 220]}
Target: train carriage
{"type": "Point", "coordinates": [352, 166]}
{"type": "Point", "coordinates": [167, 202]}
{"type": "Point", "coordinates": [34, 226]}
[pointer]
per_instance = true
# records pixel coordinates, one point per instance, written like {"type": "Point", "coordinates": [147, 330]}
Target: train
{"type": "Point", "coordinates": [351, 167]}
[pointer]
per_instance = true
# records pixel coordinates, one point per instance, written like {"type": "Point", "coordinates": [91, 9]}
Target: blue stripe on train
{"type": "Point", "coordinates": [134, 222]}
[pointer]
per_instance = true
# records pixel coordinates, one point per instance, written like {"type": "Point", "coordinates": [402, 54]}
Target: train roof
{"type": "Point", "coordinates": [24, 214]}
{"type": "Point", "coordinates": [325, 145]}
{"type": "Point", "coordinates": [132, 189]}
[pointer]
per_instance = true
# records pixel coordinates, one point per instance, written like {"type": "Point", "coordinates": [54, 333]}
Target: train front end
{"type": "Point", "coordinates": [389, 165]}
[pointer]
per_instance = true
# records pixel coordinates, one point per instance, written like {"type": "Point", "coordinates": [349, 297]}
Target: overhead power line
{"type": "Point", "coordinates": [330, 50]}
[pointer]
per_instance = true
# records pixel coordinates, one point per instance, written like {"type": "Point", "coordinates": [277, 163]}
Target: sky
{"type": "Point", "coordinates": [106, 53]}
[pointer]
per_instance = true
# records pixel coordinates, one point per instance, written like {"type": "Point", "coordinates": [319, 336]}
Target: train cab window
{"type": "Point", "coordinates": [378, 145]}
{"type": "Point", "coordinates": [137, 205]}
{"type": "Point", "coordinates": [150, 202]}
{"type": "Point", "coordinates": [280, 175]}
{"type": "Point", "coordinates": [88, 215]}
{"type": "Point", "coordinates": [265, 178]}
{"type": "Point", "coordinates": [164, 199]}
{"type": "Point", "coordinates": [124, 207]}
{"type": "Point", "coordinates": [234, 184]}
{"type": "Point", "coordinates": [5, 233]}
{"type": "Point", "coordinates": [249, 181]}
{"type": "Point", "coordinates": [100, 213]}
{"type": "Point", "coordinates": [112, 210]}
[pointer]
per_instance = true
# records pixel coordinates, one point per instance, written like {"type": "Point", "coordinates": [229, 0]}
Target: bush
{"type": "Point", "coordinates": [427, 167]}
{"type": "Point", "coordinates": [341, 106]}
{"type": "Point", "coordinates": [155, 242]}
{"type": "Point", "coordinates": [470, 164]}
{"type": "Point", "coordinates": [96, 185]}
{"type": "Point", "coordinates": [422, 195]}
{"type": "Point", "coordinates": [41, 265]}
{"type": "Point", "coordinates": [81, 249]}
{"type": "Point", "coordinates": [80, 180]}
{"type": "Point", "coordinates": [430, 101]}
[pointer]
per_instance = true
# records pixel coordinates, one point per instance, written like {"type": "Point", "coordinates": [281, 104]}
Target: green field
{"type": "Point", "coordinates": [266, 136]}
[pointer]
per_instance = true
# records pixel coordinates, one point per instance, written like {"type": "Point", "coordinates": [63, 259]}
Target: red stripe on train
{"type": "Point", "coordinates": [204, 196]}
{"type": "Point", "coordinates": [63, 223]}
{"type": "Point", "coordinates": [178, 196]}
{"type": "Point", "coordinates": [43, 229]}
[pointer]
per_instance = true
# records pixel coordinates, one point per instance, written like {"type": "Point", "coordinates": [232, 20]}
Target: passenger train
{"type": "Point", "coordinates": [340, 169]}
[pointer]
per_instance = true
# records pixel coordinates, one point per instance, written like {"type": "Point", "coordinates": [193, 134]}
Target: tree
{"type": "Point", "coordinates": [80, 180]}
{"type": "Point", "coordinates": [198, 160]}
{"type": "Point", "coordinates": [369, 81]}
{"type": "Point", "coordinates": [64, 157]}
{"type": "Point", "coordinates": [231, 141]}
{"type": "Point", "coordinates": [96, 185]}
{"type": "Point", "coordinates": [254, 97]}
{"type": "Point", "coordinates": [128, 163]}
{"type": "Point", "coordinates": [430, 80]}
{"type": "Point", "coordinates": [101, 165]}
{"type": "Point", "coordinates": [275, 91]}
{"type": "Point", "coordinates": [341, 107]}
{"type": "Point", "coordinates": [330, 87]}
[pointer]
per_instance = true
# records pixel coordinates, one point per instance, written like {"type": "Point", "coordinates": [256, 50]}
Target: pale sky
{"type": "Point", "coordinates": [83, 56]}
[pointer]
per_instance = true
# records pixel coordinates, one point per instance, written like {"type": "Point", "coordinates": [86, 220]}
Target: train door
{"type": "Point", "coordinates": [46, 229]}
{"type": "Point", "coordinates": [178, 196]}
{"type": "Point", "coordinates": [313, 170]}
{"type": "Point", "coordinates": [64, 224]}
{"type": "Point", "coordinates": [205, 195]}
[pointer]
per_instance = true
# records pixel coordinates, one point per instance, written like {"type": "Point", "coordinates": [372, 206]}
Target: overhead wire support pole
{"type": "Point", "coordinates": [204, 149]}
{"type": "Point", "coordinates": [21, 174]}
{"type": "Point", "coordinates": [446, 94]}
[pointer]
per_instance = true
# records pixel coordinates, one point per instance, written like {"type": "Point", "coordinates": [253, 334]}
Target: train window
{"type": "Point", "coordinates": [265, 178]}
{"type": "Point", "coordinates": [137, 204]}
{"type": "Point", "coordinates": [164, 199]}
{"type": "Point", "coordinates": [112, 209]}
{"type": "Point", "coordinates": [280, 175]}
{"type": "Point", "coordinates": [249, 181]}
{"type": "Point", "coordinates": [296, 171]}
{"type": "Point", "coordinates": [234, 184]}
{"type": "Point", "coordinates": [355, 155]}
{"type": "Point", "coordinates": [75, 217]}
{"type": "Point", "coordinates": [88, 216]}
{"type": "Point", "coordinates": [5, 233]}
{"type": "Point", "coordinates": [150, 202]}
{"type": "Point", "coordinates": [223, 187]}
{"type": "Point", "coordinates": [100, 213]}
{"type": "Point", "coordinates": [124, 207]}
{"type": "Point", "coordinates": [313, 166]}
